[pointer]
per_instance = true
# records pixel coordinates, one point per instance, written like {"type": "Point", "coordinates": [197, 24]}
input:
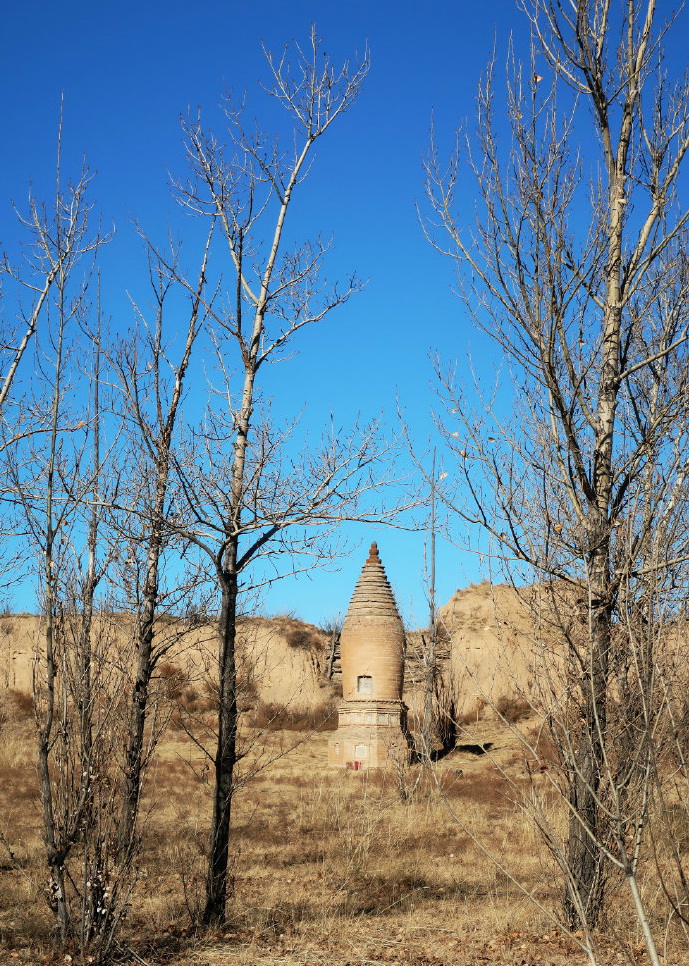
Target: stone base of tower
{"type": "Point", "coordinates": [370, 734]}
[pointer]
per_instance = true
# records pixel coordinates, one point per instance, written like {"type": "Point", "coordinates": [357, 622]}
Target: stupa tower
{"type": "Point", "coordinates": [372, 719]}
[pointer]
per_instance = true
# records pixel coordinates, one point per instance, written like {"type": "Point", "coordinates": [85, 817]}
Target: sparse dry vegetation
{"type": "Point", "coordinates": [427, 865]}
{"type": "Point", "coordinates": [275, 717]}
{"type": "Point", "coordinates": [328, 866]}
{"type": "Point", "coordinates": [513, 709]}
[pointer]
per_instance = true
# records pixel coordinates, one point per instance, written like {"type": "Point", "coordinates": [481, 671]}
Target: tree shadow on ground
{"type": "Point", "coordinates": [477, 749]}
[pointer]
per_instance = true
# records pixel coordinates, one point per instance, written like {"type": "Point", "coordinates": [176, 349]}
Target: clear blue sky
{"type": "Point", "coordinates": [128, 70]}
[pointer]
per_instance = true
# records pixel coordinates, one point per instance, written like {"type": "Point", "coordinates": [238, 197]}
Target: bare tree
{"type": "Point", "coordinates": [61, 477]}
{"type": "Point", "coordinates": [429, 641]}
{"type": "Point", "coordinates": [58, 238]}
{"type": "Point", "coordinates": [151, 385]}
{"type": "Point", "coordinates": [438, 722]}
{"type": "Point", "coordinates": [247, 500]}
{"type": "Point", "coordinates": [58, 480]}
{"type": "Point", "coordinates": [576, 265]}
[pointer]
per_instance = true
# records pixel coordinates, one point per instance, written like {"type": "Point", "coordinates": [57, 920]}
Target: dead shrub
{"type": "Point", "coordinates": [299, 635]}
{"type": "Point", "coordinates": [276, 717]}
{"type": "Point", "coordinates": [513, 709]}
{"type": "Point", "coordinates": [16, 729]}
{"type": "Point", "coordinates": [14, 774]}
{"type": "Point", "coordinates": [191, 701]}
{"type": "Point", "coordinates": [474, 714]}
{"type": "Point", "coordinates": [173, 680]}
{"type": "Point", "coordinates": [15, 706]}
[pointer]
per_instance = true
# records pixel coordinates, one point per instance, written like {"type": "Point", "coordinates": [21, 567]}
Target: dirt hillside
{"type": "Point", "coordinates": [19, 635]}
{"type": "Point", "coordinates": [485, 640]}
{"type": "Point", "coordinates": [490, 641]}
{"type": "Point", "coordinates": [281, 660]}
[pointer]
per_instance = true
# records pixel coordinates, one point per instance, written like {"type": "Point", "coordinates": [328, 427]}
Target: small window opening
{"type": "Point", "coordinates": [364, 684]}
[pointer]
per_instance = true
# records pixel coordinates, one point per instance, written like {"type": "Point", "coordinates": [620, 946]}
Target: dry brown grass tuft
{"type": "Point", "coordinates": [298, 634]}
{"type": "Point", "coordinates": [15, 706]}
{"type": "Point", "coordinates": [274, 717]}
{"type": "Point", "coordinates": [513, 709]}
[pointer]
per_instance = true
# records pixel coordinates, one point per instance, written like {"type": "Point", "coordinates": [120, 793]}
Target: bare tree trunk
{"type": "Point", "coordinates": [228, 579]}
{"type": "Point", "coordinates": [55, 852]}
{"type": "Point", "coordinates": [584, 856]}
{"type": "Point", "coordinates": [54, 855]}
{"type": "Point", "coordinates": [139, 696]}
{"type": "Point", "coordinates": [587, 824]}
{"type": "Point", "coordinates": [226, 752]}
{"type": "Point", "coordinates": [429, 728]}
{"type": "Point", "coordinates": [588, 818]}
{"type": "Point", "coordinates": [156, 439]}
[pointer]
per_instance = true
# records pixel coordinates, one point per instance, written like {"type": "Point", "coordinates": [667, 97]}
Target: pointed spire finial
{"type": "Point", "coordinates": [373, 595]}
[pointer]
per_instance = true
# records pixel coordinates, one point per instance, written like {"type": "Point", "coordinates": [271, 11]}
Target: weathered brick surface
{"type": "Point", "coordinates": [372, 723]}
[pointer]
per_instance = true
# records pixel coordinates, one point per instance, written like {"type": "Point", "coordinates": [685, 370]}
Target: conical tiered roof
{"type": "Point", "coordinates": [373, 595]}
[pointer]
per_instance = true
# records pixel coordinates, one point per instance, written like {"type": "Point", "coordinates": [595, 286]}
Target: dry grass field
{"type": "Point", "coordinates": [328, 867]}
{"type": "Point", "coordinates": [439, 866]}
